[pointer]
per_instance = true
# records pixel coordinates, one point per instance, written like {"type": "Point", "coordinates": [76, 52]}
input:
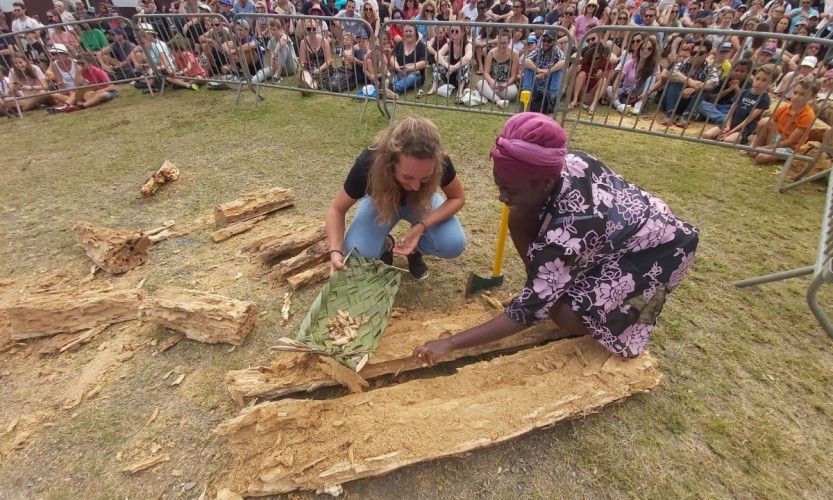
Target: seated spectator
{"type": "Point", "coordinates": [812, 49]}
{"type": "Point", "coordinates": [371, 16]}
{"type": "Point", "coordinates": [66, 37]}
{"type": "Point", "coordinates": [453, 60]}
{"type": "Point", "coordinates": [186, 65]}
{"type": "Point", "coordinates": [427, 13]}
{"type": "Point", "coordinates": [115, 58]}
{"type": "Point", "coordinates": [92, 39]}
{"type": "Point", "coordinates": [544, 66]}
{"type": "Point", "coordinates": [62, 72]}
{"type": "Point", "coordinates": [500, 74]}
{"type": "Point", "coordinates": [411, 9]}
{"type": "Point", "coordinates": [786, 88]}
{"type": "Point", "coordinates": [395, 29]}
{"type": "Point", "coordinates": [101, 92]}
{"type": "Point", "coordinates": [316, 59]}
{"type": "Point", "coordinates": [436, 43]}
{"type": "Point", "coordinates": [743, 117]}
{"type": "Point", "coordinates": [28, 83]}
{"type": "Point", "coordinates": [212, 46]}
{"type": "Point", "coordinates": [161, 60]}
{"type": "Point", "coordinates": [787, 129]}
{"type": "Point", "coordinates": [281, 58]}
{"type": "Point", "coordinates": [686, 80]}
{"type": "Point", "coordinates": [410, 58]}
{"type": "Point", "coordinates": [765, 55]}
{"type": "Point", "coordinates": [7, 108]}
{"type": "Point", "coordinates": [592, 77]}
{"type": "Point", "coordinates": [376, 66]}
{"type": "Point", "coordinates": [354, 56]}
{"type": "Point", "coordinates": [518, 12]}
{"type": "Point", "coordinates": [635, 83]}
{"type": "Point", "coordinates": [518, 41]}
{"type": "Point", "coordinates": [244, 51]}
{"type": "Point", "coordinates": [225, 9]}
{"type": "Point", "coordinates": [715, 105]}
{"type": "Point", "coordinates": [588, 19]}
{"type": "Point", "coordinates": [722, 61]}
{"type": "Point", "coordinates": [500, 12]}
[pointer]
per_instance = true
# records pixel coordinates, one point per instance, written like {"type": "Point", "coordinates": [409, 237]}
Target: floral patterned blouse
{"type": "Point", "coordinates": [608, 249]}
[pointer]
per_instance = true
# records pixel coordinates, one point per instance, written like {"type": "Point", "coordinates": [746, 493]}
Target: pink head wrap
{"type": "Point", "coordinates": [531, 145]}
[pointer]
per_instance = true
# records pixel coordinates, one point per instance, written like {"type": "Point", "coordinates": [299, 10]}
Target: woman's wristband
{"type": "Point", "coordinates": [339, 251]}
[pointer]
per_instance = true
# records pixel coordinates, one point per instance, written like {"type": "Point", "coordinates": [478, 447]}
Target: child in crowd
{"type": "Point", "coordinates": [789, 126]}
{"type": "Point", "coordinates": [715, 104]}
{"type": "Point", "coordinates": [89, 75]}
{"type": "Point", "coordinates": [187, 65]}
{"type": "Point", "coordinates": [743, 117]}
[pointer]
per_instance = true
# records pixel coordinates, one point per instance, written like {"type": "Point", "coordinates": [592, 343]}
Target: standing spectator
{"type": "Point", "coordinates": [500, 74]}
{"type": "Point", "coordinates": [787, 129]}
{"type": "Point", "coordinates": [31, 42]}
{"type": "Point", "coordinates": [687, 79]}
{"type": "Point", "coordinates": [410, 58]}
{"type": "Point", "coordinates": [545, 64]}
{"type": "Point", "coordinates": [742, 119]}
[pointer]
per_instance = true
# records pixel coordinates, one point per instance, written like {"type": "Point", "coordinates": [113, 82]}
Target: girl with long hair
{"type": "Point", "coordinates": [453, 63]}
{"type": "Point", "coordinates": [371, 15]}
{"type": "Point", "coordinates": [500, 75]}
{"type": "Point", "coordinates": [27, 82]}
{"type": "Point", "coordinates": [635, 82]}
{"type": "Point", "coordinates": [397, 178]}
{"type": "Point", "coordinates": [411, 9]}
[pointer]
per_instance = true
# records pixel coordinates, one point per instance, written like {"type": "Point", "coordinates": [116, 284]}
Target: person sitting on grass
{"type": "Point", "coordinates": [545, 66]}
{"type": "Point", "coordinates": [89, 75]}
{"type": "Point", "coordinates": [188, 68]}
{"type": "Point", "coordinates": [786, 88]}
{"type": "Point", "coordinates": [500, 74]}
{"type": "Point", "coordinates": [788, 127]}
{"type": "Point", "coordinates": [316, 59]}
{"type": "Point", "coordinates": [281, 61]}
{"type": "Point", "coordinates": [115, 58]}
{"type": "Point", "coordinates": [453, 60]}
{"type": "Point", "coordinates": [687, 79]}
{"type": "Point", "coordinates": [92, 39]}
{"type": "Point", "coordinates": [397, 178]}
{"type": "Point", "coordinates": [28, 83]}
{"type": "Point", "coordinates": [244, 51]}
{"type": "Point", "coordinates": [638, 78]}
{"type": "Point", "coordinates": [591, 80]}
{"type": "Point", "coordinates": [601, 254]}
{"type": "Point", "coordinates": [715, 105]}
{"type": "Point", "coordinates": [410, 58]}
{"type": "Point", "coordinates": [742, 120]}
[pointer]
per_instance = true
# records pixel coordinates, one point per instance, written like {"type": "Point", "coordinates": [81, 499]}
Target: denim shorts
{"type": "Point", "coordinates": [112, 94]}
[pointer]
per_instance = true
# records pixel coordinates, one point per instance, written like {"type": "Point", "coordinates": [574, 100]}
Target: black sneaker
{"type": "Point", "coordinates": [387, 253]}
{"type": "Point", "coordinates": [417, 266]}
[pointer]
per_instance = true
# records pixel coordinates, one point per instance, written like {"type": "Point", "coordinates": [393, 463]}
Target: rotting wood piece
{"type": "Point", "coordinates": [312, 255]}
{"type": "Point", "coordinates": [147, 463]}
{"type": "Point", "coordinates": [166, 173]}
{"type": "Point", "coordinates": [235, 229]}
{"type": "Point", "coordinates": [292, 244]}
{"type": "Point", "coordinates": [66, 312]}
{"type": "Point", "coordinates": [296, 372]}
{"type": "Point", "coordinates": [253, 205]}
{"type": "Point", "coordinates": [116, 251]}
{"type": "Point", "coordinates": [299, 444]}
{"type": "Point", "coordinates": [311, 276]}
{"type": "Point", "coordinates": [201, 316]}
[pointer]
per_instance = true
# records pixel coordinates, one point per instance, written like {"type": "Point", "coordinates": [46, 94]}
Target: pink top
{"type": "Point", "coordinates": [582, 25]}
{"type": "Point", "coordinates": [93, 74]}
{"type": "Point", "coordinates": [188, 63]}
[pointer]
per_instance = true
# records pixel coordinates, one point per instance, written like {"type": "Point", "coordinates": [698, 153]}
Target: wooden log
{"type": "Point", "coordinates": [235, 229]}
{"type": "Point", "coordinates": [66, 312]}
{"type": "Point", "coordinates": [201, 316]}
{"type": "Point", "coordinates": [311, 276]}
{"type": "Point", "coordinates": [147, 463]}
{"type": "Point", "coordinates": [253, 205]}
{"type": "Point", "coordinates": [291, 244]}
{"type": "Point", "coordinates": [166, 173]}
{"type": "Point", "coordinates": [301, 444]}
{"type": "Point", "coordinates": [113, 250]}
{"type": "Point", "coordinates": [313, 254]}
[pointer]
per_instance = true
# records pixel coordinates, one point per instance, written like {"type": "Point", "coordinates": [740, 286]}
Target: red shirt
{"type": "Point", "coordinates": [93, 74]}
{"type": "Point", "coordinates": [186, 57]}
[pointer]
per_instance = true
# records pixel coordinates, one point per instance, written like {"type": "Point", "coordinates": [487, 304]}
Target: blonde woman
{"type": "Point", "coordinates": [428, 12]}
{"type": "Point", "coordinates": [397, 178]}
{"type": "Point", "coordinates": [371, 15]}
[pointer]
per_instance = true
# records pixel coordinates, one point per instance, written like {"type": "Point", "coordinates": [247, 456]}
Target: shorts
{"type": "Point", "coordinates": [776, 139]}
{"type": "Point", "coordinates": [111, 94]}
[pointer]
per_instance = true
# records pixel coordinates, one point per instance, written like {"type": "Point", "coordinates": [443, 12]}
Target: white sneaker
{"type": "Point", "coordinates": [502, 103]}
{"type": "Point", "coordinates": [621, 108]}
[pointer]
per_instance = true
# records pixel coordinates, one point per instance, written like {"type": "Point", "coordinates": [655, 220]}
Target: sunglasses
{"type": "Point", "coordinates": [636, 40]}
{"type": "Point", "coordinates": [456, 31]}
{"type": "Point", "coordinates": [429, 11]}
{"type": "Point", "coordinates": [650, 16]}
{"type": "Point", "coordinates": [516, 6]}
{"type": "Point", "coordinates": [623, 18]}
{"type": "Point", "coordinates": [699, 52]}
{"type": "Point", "coordinates": [569, 13]}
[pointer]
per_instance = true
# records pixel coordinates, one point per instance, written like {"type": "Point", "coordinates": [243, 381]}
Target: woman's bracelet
{"type": "Point", "coordinates": [339, 251]}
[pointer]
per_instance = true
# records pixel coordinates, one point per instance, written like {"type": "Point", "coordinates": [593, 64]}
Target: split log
{"type": "Point", "coordinates": [235, 229]}
{"type": "Point", "coordinates": [253, 205]}
{"type": "Point", "coordinates": [166, 173]}
{"type": "Point", "coordinates": [201, 316]}
{"type": "Point", "coordinates": [301, 444]}
{"type": "Point", "coordinates": [294, 372]}
{"type": "Point", "coordinates": [66, 312]}
{"type": "Point", "coordinates": [311, 276]}
{"type": "Point", "coordinates": [113, 250]}
{"type": "Point", "coordinates": [291, 244]}
{"type": "Point", "coordinates": [314, 254]}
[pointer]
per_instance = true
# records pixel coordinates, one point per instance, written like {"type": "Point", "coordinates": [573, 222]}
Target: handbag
{"type": "Point", "coordinates": [342, 80]}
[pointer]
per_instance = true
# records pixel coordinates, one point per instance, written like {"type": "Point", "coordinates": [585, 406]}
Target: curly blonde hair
{"type": "Point", "coordinates": [416, 137]}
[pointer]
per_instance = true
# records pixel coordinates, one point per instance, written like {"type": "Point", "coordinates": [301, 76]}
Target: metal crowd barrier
{"type": "Point", "coordinates": [545, 92]}
{"type": "Point", "coordinates": [30, 45]}
{"type": "Point", "coordinates": [344, 76]}
{"type": "Point", "coordinates": [209, 39]}
{"type": "Point", "coordinates": [649, 121]}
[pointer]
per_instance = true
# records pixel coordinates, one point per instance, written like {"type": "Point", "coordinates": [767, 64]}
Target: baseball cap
{"type": "Point", "coordinates": [811, 16]}
{"type": "Point", "coordinates": [243, 23]}
{"type": "Point", "coordinates": [810, 61]}
{"type": "Point", "coordinates": [226, 2]}
{"type": "Point", "coordinates": [118, 31]}
{"type": "Point", "coordinates": [58, 48]}
{"type": "Point", "coordinates": [532, 38]}
{"type": "Point", "coordinates": [550, 33]}
{"type": "Point", "coordinates": [539, 20]}
{"type": "Point", "coordinates": [726, 47]}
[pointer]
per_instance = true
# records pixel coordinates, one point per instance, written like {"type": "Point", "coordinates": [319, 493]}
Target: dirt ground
{"type": "Point", "coordinates": [745, 407]}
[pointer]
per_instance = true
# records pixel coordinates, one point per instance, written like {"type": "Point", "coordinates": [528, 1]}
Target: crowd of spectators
{"type": "Point", "coordinates": [729, 81]}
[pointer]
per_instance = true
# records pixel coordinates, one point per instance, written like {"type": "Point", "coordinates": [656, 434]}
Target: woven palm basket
{"type": "Point", "coordinates": [364, 289]}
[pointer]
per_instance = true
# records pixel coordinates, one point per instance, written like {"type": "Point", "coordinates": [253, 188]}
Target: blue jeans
{"type": "Point", "coordinates": [409, 81]}
{"type": "Point", "coordinates": [544, 92]}
{"type": "Point", "coordinates": [367, 236]}
{"type": "Point", "coordinates": [715, 113]}
{"type": "Point", "coordinates": [672, 93]}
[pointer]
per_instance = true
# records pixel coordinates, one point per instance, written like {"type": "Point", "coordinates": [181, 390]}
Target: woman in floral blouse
{"type": "Point", "coordinates": [601, 254]}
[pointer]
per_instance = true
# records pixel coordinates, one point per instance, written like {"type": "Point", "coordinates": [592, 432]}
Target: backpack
{"type": "Point", "coordinates": [342, 80]}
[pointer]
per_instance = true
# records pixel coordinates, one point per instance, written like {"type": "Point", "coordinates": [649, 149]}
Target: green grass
{"type": "Point", "coordinates": [745, 408]}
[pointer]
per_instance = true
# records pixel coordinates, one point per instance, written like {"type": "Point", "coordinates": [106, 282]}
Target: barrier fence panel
{"type": "Point", "coordinates": [314, 54]}
{"type": "Point", "coordinates": [473, 66]}
{"type": "Point", "coordinates": [196, 50]}
{"type": "Point", "coordinates": [51, 67]}
{"type": "Point", "coordinates": [718, 87]}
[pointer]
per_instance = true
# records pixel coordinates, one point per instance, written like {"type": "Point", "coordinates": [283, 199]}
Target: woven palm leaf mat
{"type": "Point", "coordinates": [363, 292]}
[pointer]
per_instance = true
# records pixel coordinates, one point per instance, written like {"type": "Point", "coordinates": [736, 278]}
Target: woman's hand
{"type": "Point", "coordinates": [432, 351]}
{"type": "Point", "coordinates": [336, 262]}
{"type": "Point", "coordinates": [409, 243]}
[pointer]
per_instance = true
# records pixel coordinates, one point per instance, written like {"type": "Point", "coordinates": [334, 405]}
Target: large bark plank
{"type": "Point", "coordinates": [291, 444]}
{"type": "Point", "coordinates": [313, 275]}
{"type": "Point", "coordinates": [291, 244]}
{"type": "Point", "coordinates": [201, 316]}
{"type": "Point", "coordinates": [116, 251]}
{"type": "Point", "coordinates": [253, 205]}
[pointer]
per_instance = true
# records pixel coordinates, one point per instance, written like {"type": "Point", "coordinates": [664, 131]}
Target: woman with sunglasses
{"type": "Point", "coordinates": [593, 75]}
{"type": "Point", "coordinates": [637, 80]}
{"type": "Point", "coordinates": [316, 58]}
{"type": "Point", "coordinates": [500, 75]}
{"type": "Point", "coordinates": [445, 11]}
{"type": "Point", "coordinates": [518, 12]}
{"type": "Point", "coordinates": [408, 62]}
{"type": "Point", "coordinates": [453, 60]}
{"type": "Point", "coordinates": [588, 19]}
{"type": "Point", "coordinates": [615, 39]}
{"type": "Point", "coordinates": [426, 13]}
{"type": "Point", "coordinates": [670, 17]}
{"type": "Point", "coordinates": [371, 15]}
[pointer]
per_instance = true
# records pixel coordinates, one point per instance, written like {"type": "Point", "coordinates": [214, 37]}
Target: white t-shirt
{"type": "Point", "coordinates": [470, 11]}
{"type": "Point", "coordinates": [25, 24]}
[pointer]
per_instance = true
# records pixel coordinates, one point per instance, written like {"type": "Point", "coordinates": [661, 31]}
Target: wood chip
{"type": "Point", "coordinates": [154, 448]}
{"type": "Point", "coordinates": [492, 301]}
{"type": "Point", "coordinates": [126, 355]}
{"type": "Point", "coordinates": [92, 392]}
{"type": "Point", "coordinates": [169, 342]}
{"type": "Point", "coordinates": [165, 376]}
{"type": "Point", "coordinates": [146, 463]}
{"type": "Point", "coordinates": [84, 338]}
{"type": "Point", "coordinates": [12, 425]}
{"type": "Point", "coordinates": [178, 380]}
{"type": "Point", "coordinates": [152, 416]}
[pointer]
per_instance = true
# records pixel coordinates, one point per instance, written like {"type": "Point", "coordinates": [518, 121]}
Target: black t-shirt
{"type": "Point", "coordinates": [501, 10]}
{"type": "Point", "coordinates": [356, 183]}
{"type": "Point", "coordinates": [420, 53]}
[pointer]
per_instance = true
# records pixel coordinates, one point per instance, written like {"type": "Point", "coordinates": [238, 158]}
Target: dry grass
{"type": "Point", "coordinates": [745, 410]}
